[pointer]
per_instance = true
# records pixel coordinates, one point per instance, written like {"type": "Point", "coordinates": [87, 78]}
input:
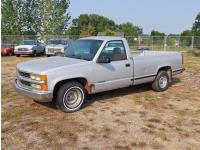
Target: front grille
{"type": "Point", "coordinates": [25, 83]}
{"type": "Point", "coordinates": [24, 74]}
{"type": "Point", "coordinates": [53, 50]}
{"type": "Point", "coordinates": [22, 49]}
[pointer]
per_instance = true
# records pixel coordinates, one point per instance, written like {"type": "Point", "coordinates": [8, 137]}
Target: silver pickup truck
{"type": "Point", "coordinates": [56, 46]}
{"type": "Point", "coordinates": [91, 65]}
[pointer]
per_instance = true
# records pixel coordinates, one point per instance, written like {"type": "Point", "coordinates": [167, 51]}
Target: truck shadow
{"type": "Point", "coordinates": [122, 92]}
{"type": "Point", "coordinates": [113, 94]}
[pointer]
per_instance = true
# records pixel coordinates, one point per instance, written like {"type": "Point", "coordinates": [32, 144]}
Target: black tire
{"type": "Point", "coordinates": [73, 102]}
{"type": "Point", "coordinates": [161, 83]}
{"type": "Point", "coordinates": [17, 55]}
{"type": "Point", "coordinates": [10, 54]}
{"type": "Point", "coordinates": [34, 53]}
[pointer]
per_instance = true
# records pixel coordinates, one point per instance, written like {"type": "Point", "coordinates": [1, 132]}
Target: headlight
{"type": "Point", "coordinates": [43, 87]}
{"type": "Point", "coordinates": [35, 77]}
{"type": "Point", "coordinates": [39, 86]}
{"type": "Point", "coordinates": [38, 77]}
{"type": "Point", "coordinates": [36, 86]}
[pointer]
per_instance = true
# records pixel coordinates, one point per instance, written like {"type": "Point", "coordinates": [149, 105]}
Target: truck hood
{"type": "Point", "coordinates": [24, 46]}
{"type": "Point", "coordinates": [44, 65]}
{"type": "Point", "coordinates": [55, 46]}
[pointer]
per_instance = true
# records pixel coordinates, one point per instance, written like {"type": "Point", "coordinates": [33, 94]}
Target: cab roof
{"type": "Point", "coordinates": [104, 38]}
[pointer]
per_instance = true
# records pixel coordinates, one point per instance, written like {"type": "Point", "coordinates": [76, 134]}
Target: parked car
{"type": "Point", "coordinates": [29, 47]}
{"type": "Point", "coordinates": [7, 49]}
{"type": "Point", "coordinates": [56, 46]}
{"type": "Point", "coordinates": [89, 67]}
{"type": "Point", "coordinates": [143, 49]}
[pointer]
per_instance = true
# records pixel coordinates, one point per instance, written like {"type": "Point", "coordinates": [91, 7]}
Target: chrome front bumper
{"type": "Point", "coordinates": [40, 96]}
{"type": "Point", "coordinates": [23, 52]}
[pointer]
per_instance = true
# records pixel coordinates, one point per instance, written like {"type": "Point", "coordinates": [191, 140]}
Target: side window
{"type": "Point", "coordinates": [114, 50]}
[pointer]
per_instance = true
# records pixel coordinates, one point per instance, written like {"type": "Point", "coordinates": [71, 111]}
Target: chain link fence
{"type": "Point", "coordinates": [167, 43]}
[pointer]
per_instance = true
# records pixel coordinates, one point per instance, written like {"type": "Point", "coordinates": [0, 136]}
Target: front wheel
{"type": "Point", "coordinates": [70, 96]}
{"type": "Point", "coordinates": [10, 53]}
{"type": "Point", "coordinates": [34, 53]}
{"type": "Point", "coordinates": [161, 83]}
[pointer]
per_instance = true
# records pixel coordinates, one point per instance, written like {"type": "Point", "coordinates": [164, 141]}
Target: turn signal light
{"type": "Point", "coordinates": [44, 87]}
{"type": "Point", "coordinates": [43, 78]}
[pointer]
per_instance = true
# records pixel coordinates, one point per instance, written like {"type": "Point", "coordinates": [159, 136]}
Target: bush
{"type": "Point", "coordinates": [196, 52]}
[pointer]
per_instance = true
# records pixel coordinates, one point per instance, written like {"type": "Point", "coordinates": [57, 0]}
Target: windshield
{"type": "Point", "coordinates": [29, 42]}
{"type": "Point", "coordinates": [83, 49]}
{"type": "Point", "coordinates": [63, 42]}
{"type": "Point", "coordinates": [6, 46]}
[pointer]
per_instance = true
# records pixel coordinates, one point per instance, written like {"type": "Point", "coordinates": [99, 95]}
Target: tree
{"type": "Point", "coordinates": [186, 37]}
{"type": "Point", "coordinates": [129, 29]}
{"type": "Point", "coordinates": [157, 33]}
{"type": "Point", "coordinates": [11, 21]}
{"type": "Point", "coordinates": [99, 23]}
{"type": "Point", "coordinates": [187, 33]}
{"type": "Point", "coordinates": [32, 17]}
{"type": "Point", "coordinates": [196, 25]}
{"type": "Point", "coordinates": [109, 32]}
{"type": "Point", "coordinates": [55, 18]}
{"type": "Point", "coordinates": [87, 30]}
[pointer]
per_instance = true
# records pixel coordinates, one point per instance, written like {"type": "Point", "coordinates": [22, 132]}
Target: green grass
{"type": "Point", "coordinates": [8, 116]}
{"type": "Point", "coordinates": [191, 61]}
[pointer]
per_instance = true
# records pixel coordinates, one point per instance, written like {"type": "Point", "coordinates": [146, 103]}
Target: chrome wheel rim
{"type": "Point", "coordinates": [163, 82]}
{"type": "Point", "coordinates": [73, 97]}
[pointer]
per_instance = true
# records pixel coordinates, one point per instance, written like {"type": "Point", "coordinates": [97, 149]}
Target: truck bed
{"type": "Point", "coordinates": [147, 63]}
{"type": "Point", "coordinates": [150, 53]}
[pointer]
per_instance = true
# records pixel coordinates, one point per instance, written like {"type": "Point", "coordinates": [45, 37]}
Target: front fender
{"type": "Point", "coordinates": [53, 83]}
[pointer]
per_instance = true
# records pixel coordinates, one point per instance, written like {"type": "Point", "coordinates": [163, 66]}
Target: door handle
{"type": "Point", "coordinates": [127, 65]}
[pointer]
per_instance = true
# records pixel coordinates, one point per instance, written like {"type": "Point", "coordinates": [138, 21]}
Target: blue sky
{"type": "Point", "coordinates": [169, 16]}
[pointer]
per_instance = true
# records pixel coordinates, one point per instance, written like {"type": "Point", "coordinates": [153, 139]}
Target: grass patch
{"type": "Point", "coordinates": [179, 122]}
{"type": "Point", "coordinates": [150, 125]}
{"type": "Point", "coordinates": [191, 61]}
{"type": "Point", "coordinates": [8, 116]}
{"type": "Point", "coordinates": [154, 120]}
{"type": "Point", "coordinates": [162, 135]}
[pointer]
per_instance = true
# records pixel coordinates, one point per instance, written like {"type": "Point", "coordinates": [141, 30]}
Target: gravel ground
{"type": "Point", "coordinates": [129, 118]}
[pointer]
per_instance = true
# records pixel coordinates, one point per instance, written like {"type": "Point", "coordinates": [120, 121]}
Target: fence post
{"type": "Point", "coordinates": [192, 45]}
{"type": "Point", "coordinates": [139, 38]}
{"type": "Point", "coordinates": [165, 42]}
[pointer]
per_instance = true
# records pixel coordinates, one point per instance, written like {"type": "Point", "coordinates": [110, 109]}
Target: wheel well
{"type": "Point", "coordinates": [168, 69]}
{"type": "Point", "coordinates": [82, 81]}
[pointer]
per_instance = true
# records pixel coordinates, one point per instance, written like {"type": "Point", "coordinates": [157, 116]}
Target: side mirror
{"type": "Point", "coordinates": [104, 59]}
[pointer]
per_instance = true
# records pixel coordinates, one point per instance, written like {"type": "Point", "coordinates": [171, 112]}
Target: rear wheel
{"type": "Point", "coordinates": [34, 53]}
{"type": "Point", "coordinates": [161, 83]}
{"type": "Point", "coordinates": [17, 55]}
{"type": "Point", "coordinates": [70, 96]}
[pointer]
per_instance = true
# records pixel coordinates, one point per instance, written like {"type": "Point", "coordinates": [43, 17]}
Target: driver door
{"type": "Point", "coordinates": [115, 74]}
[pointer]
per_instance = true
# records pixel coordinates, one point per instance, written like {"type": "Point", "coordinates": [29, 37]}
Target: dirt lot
{"type": "Point", "coordinates": [130, 118]}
